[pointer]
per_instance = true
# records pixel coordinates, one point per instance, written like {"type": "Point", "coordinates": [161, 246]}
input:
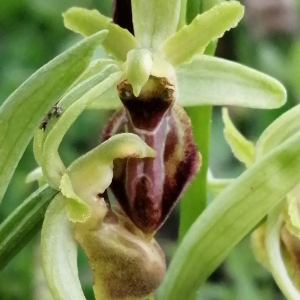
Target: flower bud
{"type": "Point", "coordinates": [125, 264]}
{"type": "Point", "coordinates": [147, 189]}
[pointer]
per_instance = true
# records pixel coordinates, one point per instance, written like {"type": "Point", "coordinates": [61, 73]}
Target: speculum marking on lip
{"type": "Point", "coordinates": [147, 189]}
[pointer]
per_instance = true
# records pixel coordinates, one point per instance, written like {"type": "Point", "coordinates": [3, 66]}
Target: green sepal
{"type": "Point", "coordinates": [210, 80]}
{"type": "Point", "coordinates": [242, 149]}
{"type": "Point", "coordinates": [118, 42]}
{"type": "Point", "coordinates": [154, 21]}
{"type": "Point", "coordinates": [23, 111]}
{"type": "Point", "coordinates": [23, 223]}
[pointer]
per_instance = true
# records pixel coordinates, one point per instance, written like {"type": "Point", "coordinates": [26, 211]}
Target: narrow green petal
{"type": "Point", "coordinates": [138, 67]}
{"type": "Point", "coordinates": [242, 149]}
{"type": "Point", "coordinates": [230, 217]}
{"type": "Point", "coordinates": [154, 21]}
{"type": "Point", "coordinates": [23, 223]}
{"type": "Point", "coordinates": [214, 81]}
{"type": "Point", "coordinates": [280, 130]}
{"type": "Point", "coordinates": [192, 39]}
{"type": "Point", "coordinates": [52, 165]}
{"type": "Point", "coordinates": [91, 174]}
{"type": "Point", "coordinates": [77, 209]}
{"type": "Point", "coordinates": [59, 253]}
{"type": "Point", "coordinates": [273, 247]}
{"type": "Point", "coordinates": [87, 22]}
{"type": "Point", "coordinates": [23, 111]}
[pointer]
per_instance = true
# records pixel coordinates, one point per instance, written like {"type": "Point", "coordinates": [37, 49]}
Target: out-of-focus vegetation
{"type": "Point", "coordinates": [32, 32]}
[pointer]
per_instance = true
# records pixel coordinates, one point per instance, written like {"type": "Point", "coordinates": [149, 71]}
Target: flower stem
{"type": "Point", "coordinates": [194, 198]}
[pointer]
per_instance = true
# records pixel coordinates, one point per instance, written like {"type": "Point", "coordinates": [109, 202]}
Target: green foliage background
{"type": "Point", "coordinates": [32, 33]}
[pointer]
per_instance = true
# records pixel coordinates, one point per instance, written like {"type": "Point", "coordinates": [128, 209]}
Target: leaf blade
{"type": "Point", "coordinates": [23, 223]}
{"type": "Point", "coordinates": [217, 231]}
{"type": "Point", "coordinates": [23, 111]}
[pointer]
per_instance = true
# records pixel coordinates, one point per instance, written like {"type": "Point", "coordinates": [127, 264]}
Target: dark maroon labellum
{"type": "Point", "coordinates": [147, 189]}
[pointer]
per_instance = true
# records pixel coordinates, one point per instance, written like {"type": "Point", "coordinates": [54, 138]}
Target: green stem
{"type": "Point", "coordinates": [182, 17]}
{"type": "Point", "coordinates": [194, 199]}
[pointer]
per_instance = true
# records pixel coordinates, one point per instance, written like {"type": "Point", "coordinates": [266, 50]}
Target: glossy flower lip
{"type": "Point", "coordinates": [158, 50]}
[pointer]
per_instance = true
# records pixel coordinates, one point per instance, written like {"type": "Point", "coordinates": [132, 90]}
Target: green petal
{"type": "Point", "coordinates": [154, 21]}
{"type": "Point", "coordinates": [23, 223]}
{"type": "Point", "coordinates": [242, 149]}
{"type": "Point", "coordinates": [78, 210]}
{"type": "Point", "coordinates": [24, 110]}
{"type": "Point", "coordinates": [59, 253]}
{"type": "Point", "coordinates": [87, 22]}
{"type": "Point", "coordinates": [193, 39]}
{"type": "Point", "coordinates": [279, 131]}
{"type": "Point", "coordinates": [138, 67]}
{"type": "Point", "coordinates": [91, 174]}
{"type": "Point", "coordinates": [230, 217]}
{"type": "Point", "coordinates": [52, 165]}
{"type": "Point", "coordinates": [273, 247]}
{"type": "Point", "coordinates": [214, 81]}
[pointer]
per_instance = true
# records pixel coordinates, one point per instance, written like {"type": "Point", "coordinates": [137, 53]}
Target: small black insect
{"type": "Point", "coordinates": [55, 111]}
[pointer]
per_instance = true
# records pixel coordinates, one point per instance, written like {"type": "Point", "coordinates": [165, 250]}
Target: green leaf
{"type": "Point", "coordinates": [279, 131]}
{"type": "Point", "coordinates": [215, 81]}
{"type": "Point", "coordinates": [230, 217]}
{"type": "Point", "coordinates": [118, 42]}
{"type": "Point", "coordinates": [242, 149]}
{"type": "Point", "coordinates": [194, 38]}
{"type": "Point", "coordinates": [70, 97]}
{"type": "Point", "coordinates": [276, 262]}
{"type": "Point", "coordinates": [59, 253]}
{"type": "Point", "coordinates": [138, 67]}
{"type": "Point", "coordinates": [23, 223]}
{"type": "Point", "coordinates": [154, 21]}
{"type": "Point", "coordinates": [53, 167]}
{"type": "Point", "coordinates": [23, 111]}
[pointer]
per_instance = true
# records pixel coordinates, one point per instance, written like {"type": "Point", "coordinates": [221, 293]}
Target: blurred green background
{"type": "Point", "coordinates": [32, 33]}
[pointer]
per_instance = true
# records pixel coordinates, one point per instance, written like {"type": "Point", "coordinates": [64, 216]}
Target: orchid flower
{"type": "Point", "coordinates": [148, 155]}
{"type": "Point", "coordinates": [276, 242]}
